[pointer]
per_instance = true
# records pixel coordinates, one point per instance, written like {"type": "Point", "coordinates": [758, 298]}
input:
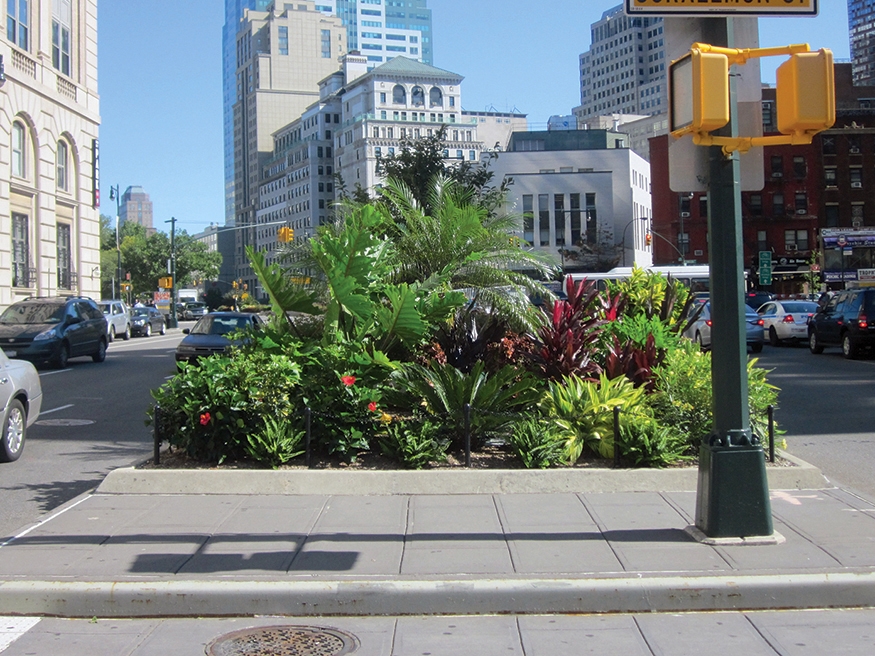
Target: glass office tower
{"type": "Point", "coordinates": [861, 26]}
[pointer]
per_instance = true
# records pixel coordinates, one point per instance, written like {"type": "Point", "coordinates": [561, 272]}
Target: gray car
{"type": "Point", "coordinates": [209, 336]}
{"type": "Point", "coordinates": [21, 397]}
{"type": "Point", "coordinates": [700, 329]}
{"type": "Point", "coordinates": [147, 320]}
{"type": "Point", "coordinates": [118, 319]}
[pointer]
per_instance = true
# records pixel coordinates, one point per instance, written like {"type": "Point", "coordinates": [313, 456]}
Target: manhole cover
{"type": "Point", "coordinates": [64, 422]}
{"type": "Point", "coordinates": [284, 641]}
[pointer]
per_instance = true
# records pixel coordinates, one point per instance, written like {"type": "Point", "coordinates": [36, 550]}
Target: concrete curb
{"type": "Point", "coordinates": [127, 480]}
{"type": "Point", "coordinates": [631, 594]}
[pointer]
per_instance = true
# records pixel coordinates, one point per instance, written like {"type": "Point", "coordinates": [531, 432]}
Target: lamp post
{"type": "Point", "coordinates": [623, 242]}
{"type": "Point", "coordinates": [670, 243]}
{"type": "Point", "coordinates": [114, 195]}
{"type": "Point", "coordinates": [174, 322]}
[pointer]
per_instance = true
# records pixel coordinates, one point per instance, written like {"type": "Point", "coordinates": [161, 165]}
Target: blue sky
{"type": "Point", "coordinates": [159, 77]}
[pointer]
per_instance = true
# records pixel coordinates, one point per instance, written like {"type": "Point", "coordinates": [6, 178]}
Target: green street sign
{"type": "Point", "coordinates": [765, 270]}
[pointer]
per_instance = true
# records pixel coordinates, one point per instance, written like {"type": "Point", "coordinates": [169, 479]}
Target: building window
{"type": "Point", "coordinates": [283, 38]}
{"type": "Point", "coordinates": [17, 22]}
{"type": "Point", "coordinates": [777, 166]}
{"type": "Point", "coordinates": [543, 220]}
{"type": "Point", "coordinates": [829, 176]}
{"type": "Point", "coordinates": [65, 272]}
{"type": "Point", "coordinates": [21, 272]}
{"type": "Point", "coordinates": [19, 158]}
{"type": "Point", "coordinates": [828, 145]}
{"type": "Point", "coordinates": [62, 18]}
{"type": "Point", "coordinates": [684, 205]}
{"type": "Point", "coordinates": [383, 97]}
{"type": "Point", "coordinates": [795, 240]}
{"type": "Point", "coordinates": [591, 220]}
{"type": "Point", "coordinates": [62, 164]}
{"type": "Point", "coordinates": [417, 96]}
{"type": "Point", "coordinates": [832, 216]}
{"type": "Point", "coordinates": [435, 98]}
{"type": "Point", "coordinates": [703, 207]}
{"type": "Point", "coordinates": [856, 176]}
{"type": "Point", "coordinates": [528, 220]}
{"type": "Point", "coordinates": [575, 219]}
{"type": "Point", "coordinates": [326, 44]}
{"type": "Point", "coordinates": [399, 95]}
{"type": "Point", "coordinates": [559, 218]}
{"type": "Point", "coordinates": [801, 201]}
{"type": "Point", "coordinates": [800, 167]}
{"type": "Point", "coordinates": [762, 242]}
{"type": "Point", "coordinates": [778, 205]}
{"type": "Point", "coordinates": [684, 243]}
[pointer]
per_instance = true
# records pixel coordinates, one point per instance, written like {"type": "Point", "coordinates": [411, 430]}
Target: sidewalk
{"type": "Point", "coordinates": [121, 554]}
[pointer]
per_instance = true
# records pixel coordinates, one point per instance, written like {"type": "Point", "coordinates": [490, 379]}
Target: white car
{"type": "Point", "coordinates": [118, 319]}
{"type": "Point", "coordinates": [786, 320]}
{"type": "Point", "coordinates": [21, 396]}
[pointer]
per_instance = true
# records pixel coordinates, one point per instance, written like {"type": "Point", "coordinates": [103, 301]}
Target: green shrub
{"type": "Point", "coordinates": [413, 443]}
{"type": "Point", "coordinates": [645, 442]}
{"type": "Point", "coordinates": [584, 410]}
{"type": "Point", "coordinates": [276, 444]}
{"type": "Point", "coordinates": [538, 442]}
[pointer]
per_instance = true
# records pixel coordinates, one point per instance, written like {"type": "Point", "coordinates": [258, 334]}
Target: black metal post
{"type": "Point", "coordinates": [467, 434]}
{"type": "Point", "coordinates": [307, 415]}
{"type": "Point", "coordinates": [174, 320]}
{"type": "Point", "coordinates": [156, 434]}
{"type": "Point", "coordinates": [616, 436]}
{"type": "Point", "coordinates": [771, 411]}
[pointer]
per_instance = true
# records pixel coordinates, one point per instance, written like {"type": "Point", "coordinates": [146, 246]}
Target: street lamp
{"type": "Point", "coordinates": [668, 241]}
{"type": "Point", "coordinates": [174, 322]}
{"type": "Point", "coordinates": [114, 195]}
{"type": "Point", "coordinates": [623, 242]}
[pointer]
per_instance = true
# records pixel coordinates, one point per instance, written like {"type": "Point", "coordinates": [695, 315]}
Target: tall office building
{"type": "Point", "coordinates": [136, 206]}
{"type": "Point", "coordinates": [49, 195]}
{"type": "Point", "coordinates": [861, 24]}
{"type": "Point", "coordinates": [380, 32]}
{"type": "Point", "coordinates": [624, 71]}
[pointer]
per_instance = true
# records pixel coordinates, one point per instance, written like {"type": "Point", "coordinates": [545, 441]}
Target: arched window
{"type": "Point", "coordinates": [63, 166]}
{"type": "Point", "coordinates": [19, 150]}
{"type": "Point", "coordinates": [436, 97]}
{"type": "Point", "coordinates": [417, 96]}
{"type": "Point", "coordinates": [399, 95]}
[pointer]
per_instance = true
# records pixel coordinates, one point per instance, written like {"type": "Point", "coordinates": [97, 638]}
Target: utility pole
{"type": "Point", "coordinates": [114, 194]}
{"type": "Point", "coordinates": [174, 322]}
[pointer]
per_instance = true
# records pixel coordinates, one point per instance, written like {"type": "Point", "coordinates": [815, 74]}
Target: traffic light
{"type": "Point", "coordinates": [285, 234]}
{"type": "Point", "coordinates": [698, 92]}
{"type": "Point", "coordinates": [648, 239]}
{"type": "Point", "coordinates": [805, 92]}
{"type": "Point", "coordinates": [166, 282]}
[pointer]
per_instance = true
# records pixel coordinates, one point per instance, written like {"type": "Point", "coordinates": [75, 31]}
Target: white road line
{"type": "Point", "coordinates": [63, 407]}
{"type": "Point", "coordinates": [52, 373]}
{"type": "Point", "coordinates": [41, 522]}
{"type": "Point", "coordinates": [12, 628]}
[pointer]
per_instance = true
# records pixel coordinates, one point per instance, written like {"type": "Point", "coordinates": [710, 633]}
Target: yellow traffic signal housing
{"type": "Point", "coordinates": [285, 234]}
{"type": "Point", "coordinates": [699, 92]}
{"type": "Point", "coordinates": [806, 93]}
{"type": "Point", "coordinates": [165, 283]}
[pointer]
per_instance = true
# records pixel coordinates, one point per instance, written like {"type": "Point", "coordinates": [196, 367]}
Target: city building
{"type": "Point", "coordinates": [136, 206]}
{"type": "Point", "coordinates": [624, 70]}
{"type": "Point", "coordinates": [861, 29]}
{"type": "Point", "coordinates": [399, 28]}
{"type": "Point", "coordinates": [49, 155]}
{"type": "Point", "coordinates": [582, 195]}
{"type": "Point", "coordinates": [282, 54]}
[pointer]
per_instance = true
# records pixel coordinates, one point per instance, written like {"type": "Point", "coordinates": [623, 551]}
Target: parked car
{"type": "Point", "coordinates": [194, 311]}
{"type": "Point", "coordinates": [846, 321]}
{"type": "Point", "coordinates": [786, 320]}
{"type": "Point", "coordinates": [209, 336]}
{"type": "Point", "coordinates": [146, 320]}
{"type": "Point", "coordinates": [757, 297]}
{"type": "Point", "coordinates": [53, 329]}
{"type": "Point", "coordinates": [700, 329]}
{"type": "Point", "coordinates": [21, 398]}
{"type": "Point", "coordinates": [118, 319]}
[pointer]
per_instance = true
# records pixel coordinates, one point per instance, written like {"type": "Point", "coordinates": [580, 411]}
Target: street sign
{"type": "Point", "coordinates": [765, 269]}
{"type": "Point", "coordinates": [717, 8]}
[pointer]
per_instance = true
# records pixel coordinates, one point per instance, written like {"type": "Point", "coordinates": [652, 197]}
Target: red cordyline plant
{"type": "Point", "coordinates": [566, 344]}
{"type": "Point", "coordinates": [633, 362]}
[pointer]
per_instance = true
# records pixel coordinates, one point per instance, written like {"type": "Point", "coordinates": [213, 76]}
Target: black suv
{"type": "Point", "coordinates": [53, 329]}
{"type": "Point", "coordinates": [847, 320]}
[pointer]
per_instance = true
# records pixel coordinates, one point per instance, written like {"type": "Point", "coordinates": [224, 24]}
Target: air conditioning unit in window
{"type": "Point", "coordinates": [856, 185]}
{"type": "Point", "coordinates": [857, 223]}
{"type": "Point", "coordinates": [777, 174]}
{"type": "Point", "coordinates": [801, 211]}
{"type": "Point", "coordinates": [854, 151]}
{"type": "Point", "coordinates": [685, 215]}
{"type": "Point", "coordinates": [790, 247]}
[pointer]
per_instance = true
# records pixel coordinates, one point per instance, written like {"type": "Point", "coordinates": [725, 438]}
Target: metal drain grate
{"type": "Point", "coordinates": [284, 641]}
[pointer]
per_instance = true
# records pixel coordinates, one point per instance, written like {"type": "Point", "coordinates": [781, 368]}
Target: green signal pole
{"type": "Point", "coordinates": [733, 497]}
{"type": "Point", "coordinates": [174, 321]}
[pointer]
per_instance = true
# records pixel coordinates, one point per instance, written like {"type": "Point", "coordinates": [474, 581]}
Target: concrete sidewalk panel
{"type": "Point", "coordinates": [701, 633]}
{"type": "Point", "coordinates": [576, 636]}
{"type": "Point", "coordinates": [835, 632]}
{"type": "Point", "coordinates": [458, 635]}
{"type": "Point", "coordinates": [162, 598]}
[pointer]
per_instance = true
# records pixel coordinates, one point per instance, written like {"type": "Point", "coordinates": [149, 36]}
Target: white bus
{"type": "Point", "coordinates": [696, 277]}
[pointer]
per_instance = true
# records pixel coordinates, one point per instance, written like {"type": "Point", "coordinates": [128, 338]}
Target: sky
{"type": "Point", "coordinates": [160, 82]}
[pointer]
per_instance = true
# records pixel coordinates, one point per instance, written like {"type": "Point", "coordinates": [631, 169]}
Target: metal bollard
{"type": "Point", "coordinates": [467, 434]}
{"type": "Point", "coordinates": [616, 436]}
{"type": "Point", "coordinates": [771, 413]}
{"type": "Point", "coordinates": [307, 414]}
{"type": "Point", "coordinates": [156, 434]}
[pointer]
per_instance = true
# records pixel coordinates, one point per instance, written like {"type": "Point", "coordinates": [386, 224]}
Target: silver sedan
{"type": "Point", "coordinates": [21, 396]}
{"type": "Point", "coordinates": [786, 320]}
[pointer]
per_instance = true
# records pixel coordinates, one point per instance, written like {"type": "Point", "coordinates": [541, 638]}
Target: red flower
{"type": "Point", "coordinates": [349, 381]}
{"type": "Point", "coordinates": [372, 406]}
{"type": "Point", "coordinates": [205, 418]}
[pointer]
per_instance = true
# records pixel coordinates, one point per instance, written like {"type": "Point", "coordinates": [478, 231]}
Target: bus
{"type": "Point", "coordinates": [696, 277]}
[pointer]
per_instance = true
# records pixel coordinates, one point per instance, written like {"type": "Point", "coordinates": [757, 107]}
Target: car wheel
{"type": "Point", "coordinates": [14, 431]}
{"type": "Point", "coordinates": [849, 349]}
{"type": "Point", "coordinates": [147, 331]}
{"type": "Point", "coordinates": [756, 348]}
{"type": "Point", "coordinates": [111, 335]}
{"type": "Point", "coordinates": [814, 344]}
{"type": "Point", "coordinates": [100, 354]}
{"type": "Point", "coordinates": [773, 337]}
{"type": "Point", "coordinates": [63, 356]}
{"type": "Point", "coordinates": [127, 334]}
{"type": "Point", "coordinates": [700, 341]}
{"type": "Point", "coordinates": [163, 328]}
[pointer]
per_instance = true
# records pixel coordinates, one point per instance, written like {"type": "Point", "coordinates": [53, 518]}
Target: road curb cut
{"type": "Point", "coordinates": [631, 594]}
{"type": "Point", "coordinates": [128, 480]}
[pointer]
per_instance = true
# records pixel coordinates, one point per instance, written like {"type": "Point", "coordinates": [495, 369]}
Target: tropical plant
{"type": "Point", "coordinates": [651, 294]}
{"type": "Point", "coordinates": [414, 443]}
{"type": "Point", "coordinates": [276, 444]}
{"type": "Point", "coordinates": [634, 362]}
{"type": "Point", "coordinates": [584, 410]}
{"type": "Point", "coordinates": [644, 442]}
{"type": "Point", "coordinates": [444, 391]}
{"type": "Point", "coordinates": [538, 442]}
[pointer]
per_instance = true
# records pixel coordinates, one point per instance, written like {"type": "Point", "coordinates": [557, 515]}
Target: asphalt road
{"type": "Point", "coordinates": [827, 407]}
{"type": "Point", "coordinates": [92, 421]}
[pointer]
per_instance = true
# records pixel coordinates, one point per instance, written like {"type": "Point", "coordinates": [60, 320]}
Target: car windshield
{"type": "Point", "coordinates": [217, 325]}
{"type": "Point", "coordinates": [804, 308]}
{"type": "Point", "coordinates": [105, 307]}
{"type": "Point", "coordinates": [33, 313]}
{"type": "Point", "coordinates": [194, 306]}
{"type": "Point", "coordinates": [140, 312]}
